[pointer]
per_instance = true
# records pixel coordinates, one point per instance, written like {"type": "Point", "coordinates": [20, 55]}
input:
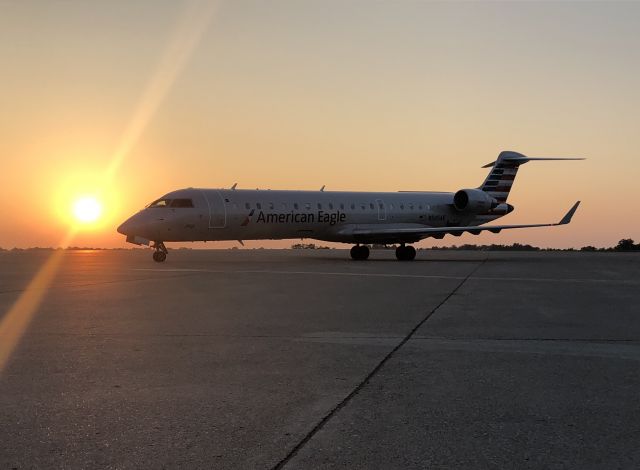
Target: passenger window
{"type": "Point", "coordinates": [411, 205]}
{"type": "Point", "coordinates": [401, 206]}
{"type": "Point", "coordinates": [330, 206]}
{"type": "Point", "coordinates": [363, 206]}
{"type": "Point", "coordinates": [319, 206]}
{"type": "Point", "coordinates": [342, 206]}
{"type": "Point", "coordinates": [391, 206]}
{"type": "Point", "coordinates": [307, 205]}
{"type": "Point", "coordinates": [371, 205]}
{"type": "Point", "coordinates": [259, 206]}
{"type": "Point", "coordinates": [284, 206]}
{"type": "Point", "coordinates": [271, 206]}
{"type": "Point", "coordinates": [353, 206]}
{"type": "Point", "coordinates": [295, 205]}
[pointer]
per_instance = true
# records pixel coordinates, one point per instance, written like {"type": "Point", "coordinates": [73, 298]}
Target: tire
{"type": "Point", "coordinates": [405, 253]}
{"type": "Point", "coordinates": [359, 252]}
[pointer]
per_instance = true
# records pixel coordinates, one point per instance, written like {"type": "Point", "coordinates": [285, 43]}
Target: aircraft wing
{"type": "Point", "coordinates": [390, 232]}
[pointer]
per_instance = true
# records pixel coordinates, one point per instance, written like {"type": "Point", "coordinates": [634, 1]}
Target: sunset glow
{"type": "Point", "coordinates": [295, 233]}
{"type": "Point", "coordinates": [87, 209]}
{"type": "Point", "coordinates": [211, 93]}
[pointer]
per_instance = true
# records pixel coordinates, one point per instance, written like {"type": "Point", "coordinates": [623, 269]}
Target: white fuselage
{"type": "Point", "coordinates": [230, 214]}
{"type": "Point", "coordinates": [361, 218]}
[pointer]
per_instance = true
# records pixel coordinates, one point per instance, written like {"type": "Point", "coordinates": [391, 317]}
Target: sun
{"type": "Point", "coordinates": [87, 209]}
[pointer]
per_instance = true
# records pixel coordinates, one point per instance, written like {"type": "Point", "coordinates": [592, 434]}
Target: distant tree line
{"type": "Point", "coordinates": [492, 247]}
{"type": "Point", "coordinates": [626, 244]}
{"type": "Point", "coordinates": [623, 245]}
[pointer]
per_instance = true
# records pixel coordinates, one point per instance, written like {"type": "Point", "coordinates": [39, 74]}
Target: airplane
{"type": "Point", "coordinates": [358, 218]}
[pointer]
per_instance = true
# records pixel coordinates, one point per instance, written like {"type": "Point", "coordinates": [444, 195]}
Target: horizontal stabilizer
{"type": "Point", "coordinates": [518, 158]}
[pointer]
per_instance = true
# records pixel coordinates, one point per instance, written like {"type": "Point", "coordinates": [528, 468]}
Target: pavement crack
{"type": "Point", "coordinates": [345, 401]}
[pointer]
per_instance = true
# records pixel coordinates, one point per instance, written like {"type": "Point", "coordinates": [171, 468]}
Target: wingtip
{"type": "Point", "coordinates": [567, 218]}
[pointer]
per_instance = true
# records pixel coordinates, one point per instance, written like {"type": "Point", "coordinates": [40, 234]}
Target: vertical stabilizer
{"type": "Point", "coordinates": [502, 175]}
{"type": "Point", "coordinates": [503, 172]}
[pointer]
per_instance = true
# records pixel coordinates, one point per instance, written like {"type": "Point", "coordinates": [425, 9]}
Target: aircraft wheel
{"type": "Point", "coordinates": [359, 252]}
{"type": "Point", "coordinates": [405, 253]}
{"type": "Point", "coordinates": [159, 256]}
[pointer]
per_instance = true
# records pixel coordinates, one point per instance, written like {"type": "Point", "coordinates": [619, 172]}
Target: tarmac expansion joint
{"type": "Point", "coordinates": [345, 401]}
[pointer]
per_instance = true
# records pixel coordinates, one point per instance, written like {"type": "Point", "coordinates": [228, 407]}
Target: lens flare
{"type": "Point", "coordinates": [87, 209]}
{"type": "Point", "coordinates": [187, 36]}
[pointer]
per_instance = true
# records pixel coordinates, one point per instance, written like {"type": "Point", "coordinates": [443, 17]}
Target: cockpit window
{"type": "Point", "coordinates": [171, 203]}
{"type": "Point", "coordinates": [160, 203]}
{"type": "Point", "coordinates": [182, 203]}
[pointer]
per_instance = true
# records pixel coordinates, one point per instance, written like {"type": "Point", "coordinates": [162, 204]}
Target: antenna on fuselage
{"type": "Point", "coordinates": [322, 189]}
{"type": "Point", "coordinates": [234, 186]}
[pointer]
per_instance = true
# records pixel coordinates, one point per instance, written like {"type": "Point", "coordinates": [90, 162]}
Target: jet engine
{"type": "Point", "coordinates": [473, 201]}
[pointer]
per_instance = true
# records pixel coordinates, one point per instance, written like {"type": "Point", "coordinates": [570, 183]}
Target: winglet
{"type": "Point", "coordinates": [567, 218]}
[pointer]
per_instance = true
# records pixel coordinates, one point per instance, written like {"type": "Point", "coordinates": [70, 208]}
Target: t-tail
{"type": "Point", "coordinates": [503, 173]}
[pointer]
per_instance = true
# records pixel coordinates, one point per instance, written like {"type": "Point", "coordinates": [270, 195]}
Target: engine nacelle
{"type": "Point", "coordinates": [473, 201]}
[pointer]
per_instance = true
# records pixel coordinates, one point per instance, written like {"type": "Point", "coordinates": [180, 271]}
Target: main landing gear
{"type": "Point", "coordinates": [161, 252]}
{"type": "Point", "coordinates": [360, 252]}
{"type": "Point", "coordinates": [405, 253]}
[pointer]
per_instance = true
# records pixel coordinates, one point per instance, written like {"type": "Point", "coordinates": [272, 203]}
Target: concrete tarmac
{"type": "Point", "coordinates": [305, 359]}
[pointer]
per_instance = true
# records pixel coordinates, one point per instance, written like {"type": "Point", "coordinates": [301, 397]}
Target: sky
{"type": "Point", "coordinates": [132, 99]}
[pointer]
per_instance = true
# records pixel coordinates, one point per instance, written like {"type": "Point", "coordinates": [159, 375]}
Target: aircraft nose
{"type": "Point", "coordinates": [126, 227]}
{"type": "Point", "coordinates": [122, 228]}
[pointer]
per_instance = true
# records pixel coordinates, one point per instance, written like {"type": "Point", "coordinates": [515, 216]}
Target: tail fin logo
{"type": "Point", "coordinates": [500, 180]}
{"type": "Point", "coordinates": [503, 173]}
{"type": "Point", "coordinates": [247, 219]}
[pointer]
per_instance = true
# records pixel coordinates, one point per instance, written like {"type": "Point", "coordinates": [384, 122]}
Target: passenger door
{"type": "Point", "coordinates": [217, 209]}
{"type": "Point", "coordinates": [382, 210]}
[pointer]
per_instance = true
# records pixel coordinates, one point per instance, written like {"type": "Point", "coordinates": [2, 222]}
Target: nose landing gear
{"type": "Point", "coordinates": [360, 252]}
{"type": "Point", "coordinates": [405, 253]}
{"type": "Point", "coordinates": [161, 252]}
